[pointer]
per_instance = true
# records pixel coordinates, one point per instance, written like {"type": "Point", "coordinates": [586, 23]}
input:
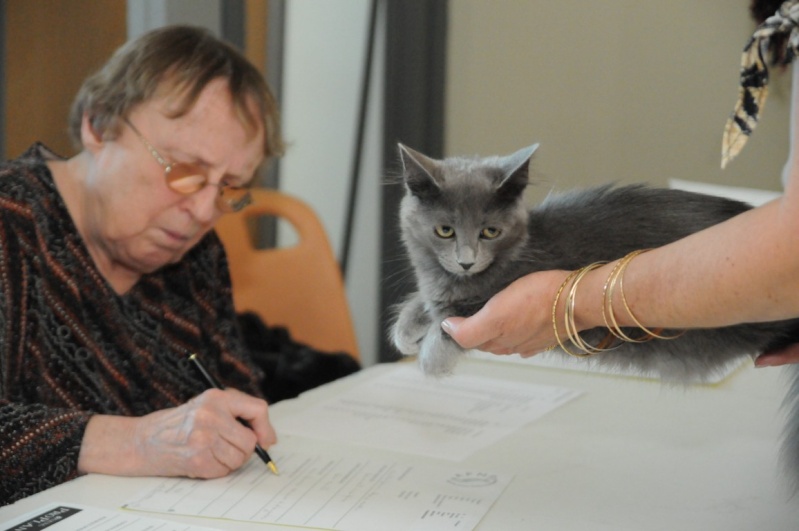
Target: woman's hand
{"type": "Point", "coordinates": [201, 438]}
{"type": "Point", "coordinates": [518, 319]}
{"type": "Point", "coordinates": [775, 358]}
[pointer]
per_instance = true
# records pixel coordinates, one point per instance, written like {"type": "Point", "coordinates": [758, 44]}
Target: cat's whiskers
{"type": "Point", "coordinates": [399, 277]}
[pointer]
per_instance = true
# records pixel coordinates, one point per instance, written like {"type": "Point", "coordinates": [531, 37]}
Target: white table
{"type": "Point", "coordinates": [630, 454]}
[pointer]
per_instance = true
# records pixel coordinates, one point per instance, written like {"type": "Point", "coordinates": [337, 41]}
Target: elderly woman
{"type": "Point", "coordinates": [112, 276]}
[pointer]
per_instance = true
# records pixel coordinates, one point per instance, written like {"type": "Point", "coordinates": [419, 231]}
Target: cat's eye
{"type": "Point", "coordinates": [445, 231]}
{"type": "Point", "coordinates": [489, 233]}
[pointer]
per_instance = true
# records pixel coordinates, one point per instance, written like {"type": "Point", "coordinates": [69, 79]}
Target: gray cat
{"type": "Point", "coordinates": [469, 234]}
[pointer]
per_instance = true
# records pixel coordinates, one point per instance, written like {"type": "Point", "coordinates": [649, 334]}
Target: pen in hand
{"type": "Point", "coordinates": [214, 383]}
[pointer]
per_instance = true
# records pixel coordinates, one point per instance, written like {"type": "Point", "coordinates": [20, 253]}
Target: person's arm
{"type": "Point", "coordinates": [201, 438]}
{"type": "Point", "coordinates": [743, 270]}
{"type": "Point", "coordinates": [39, 446]}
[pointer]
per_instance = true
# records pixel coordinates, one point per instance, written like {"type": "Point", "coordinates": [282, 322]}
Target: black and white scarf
{"type": "Point", "coordinates": [757, 55]}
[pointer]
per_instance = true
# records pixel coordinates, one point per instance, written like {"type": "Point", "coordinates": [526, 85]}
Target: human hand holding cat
{"type": "Point", "coordinates": [517, 320]}
{"type": "Point", "coordinates": [779, 357]}
{"type": "Point", "coordinates": [478, 250]}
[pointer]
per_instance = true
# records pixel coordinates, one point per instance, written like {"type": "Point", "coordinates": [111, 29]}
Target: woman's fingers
{"type": "Point", "coordinates": [778, 357]}
{"type": "Point", "coordinates": [205, 436]}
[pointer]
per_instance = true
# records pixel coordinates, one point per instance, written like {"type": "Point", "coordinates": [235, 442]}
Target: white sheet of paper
{"type": "Point", "coordinates": [448, 418]}
{"type": "Point", "coordinates": [69, 517]}
{"type": "Point", "coordinates": [553, 360]}
{"type": "Point", "coordinates": [338, 492]}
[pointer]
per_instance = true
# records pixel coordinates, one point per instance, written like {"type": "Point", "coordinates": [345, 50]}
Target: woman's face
{"type": "Point", "coordinates": [132, 219]}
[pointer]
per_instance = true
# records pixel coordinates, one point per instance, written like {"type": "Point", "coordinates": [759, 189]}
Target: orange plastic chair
{"type": "Point", "coordinates": [298, 287]}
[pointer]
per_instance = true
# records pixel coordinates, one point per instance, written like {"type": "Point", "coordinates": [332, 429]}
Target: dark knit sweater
{"type": "Point", "coordinates": [70, 346]}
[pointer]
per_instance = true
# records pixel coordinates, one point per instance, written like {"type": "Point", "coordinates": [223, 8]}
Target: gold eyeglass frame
{"type": "Point", "coordinates": [226, 205]}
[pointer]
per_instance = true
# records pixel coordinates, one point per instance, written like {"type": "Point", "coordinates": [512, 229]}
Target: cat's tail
{"type": "Point", "coordinates": [790, 441]}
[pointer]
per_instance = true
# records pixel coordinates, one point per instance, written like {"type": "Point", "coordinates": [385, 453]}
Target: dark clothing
{"type": "Point", "coordinates": [70, 346]}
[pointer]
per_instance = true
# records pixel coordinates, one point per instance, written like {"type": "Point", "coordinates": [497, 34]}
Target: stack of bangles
{"type": "Point", "coordinates": [615, 331]}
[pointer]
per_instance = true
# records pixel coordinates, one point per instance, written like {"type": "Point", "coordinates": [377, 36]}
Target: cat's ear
{"type": "Point", "coordinates": [516, 173]}
{"type": "Point", "coordinates": [419, 172]}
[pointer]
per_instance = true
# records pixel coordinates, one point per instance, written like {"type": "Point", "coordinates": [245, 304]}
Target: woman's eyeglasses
{"type": "Point", "coordinates": [187, 179]}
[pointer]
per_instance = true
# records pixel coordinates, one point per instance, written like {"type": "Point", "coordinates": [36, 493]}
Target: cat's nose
{"type": "Point", "coordinates": [466, 265]}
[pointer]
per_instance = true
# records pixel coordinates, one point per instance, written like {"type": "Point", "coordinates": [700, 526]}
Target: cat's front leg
{"type": "Point", "coordinates": [439, 353]}
{"type": "Point", "coordinates": [411, 325]}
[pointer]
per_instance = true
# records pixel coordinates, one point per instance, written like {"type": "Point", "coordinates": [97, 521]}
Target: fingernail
{"type": "Point", "coordinates": [763, 361]}
{"type": "Point", "coordinates": [447, 326]}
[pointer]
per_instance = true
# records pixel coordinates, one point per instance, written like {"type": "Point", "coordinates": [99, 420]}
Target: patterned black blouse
{"type": "Point", "coordinates": [70, 346]}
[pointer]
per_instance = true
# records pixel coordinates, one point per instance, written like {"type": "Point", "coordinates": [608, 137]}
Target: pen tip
{"type": "Point", "coordinates": [273, 468]}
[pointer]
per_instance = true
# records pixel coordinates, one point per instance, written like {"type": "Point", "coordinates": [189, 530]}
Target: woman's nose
{"type": "Point", "coordinates": [203, 204]}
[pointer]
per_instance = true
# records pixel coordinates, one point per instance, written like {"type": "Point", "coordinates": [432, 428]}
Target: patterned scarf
{"type": "Point", "coordinates": [752, 94]}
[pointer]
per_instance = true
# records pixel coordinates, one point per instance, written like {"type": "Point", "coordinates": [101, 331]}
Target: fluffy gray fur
{"type": "Point", "coordinates": [489, 238]}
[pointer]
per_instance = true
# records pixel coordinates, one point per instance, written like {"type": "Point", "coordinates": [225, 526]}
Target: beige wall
{"type": "Point", "coordinates": [614, 90]}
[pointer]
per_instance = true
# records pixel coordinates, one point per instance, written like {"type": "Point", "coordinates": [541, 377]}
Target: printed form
{"type": "Point", "coordinates": [356, 489]}
{"type": "Point", "coordinates": [450, 418]}
{"type": "Point", "coordinates": [347, 493]}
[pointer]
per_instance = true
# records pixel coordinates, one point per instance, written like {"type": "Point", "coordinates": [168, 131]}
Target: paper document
{"type": "Point", "coordinates": [557, 360]}
{"type": "Point", "coordinates": [338, 492]}
{"type": "Point", "coordinates": [448, 418]}
{"type": "Point", "coordinates": [69, 517]}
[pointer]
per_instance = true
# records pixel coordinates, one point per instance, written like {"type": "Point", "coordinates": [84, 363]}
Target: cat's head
{"type": "Point", "coordinates": [464, 214]}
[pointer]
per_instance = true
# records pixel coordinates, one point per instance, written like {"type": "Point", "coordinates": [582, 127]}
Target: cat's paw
{"type": "Point", "coordinates": [438, 354]}
{"type": "Point", "coordinates": [407, 344]}
{"type": "Point", "coordinates": [410, 328]}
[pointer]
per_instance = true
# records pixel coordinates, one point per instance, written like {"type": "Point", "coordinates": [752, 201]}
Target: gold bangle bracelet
{"type": "Point", "coordinates": [607, 301]}
{"type": "Point", "coordinates": [607, 304]}
{"type": "Point", "coordinates": [554, 312]}
{"type": "Point", "coordinates": [627, 306]}
{"type": "Point", "coordinates": [571, 327]}
{"type": "Point", "coordinates": [569, 322]}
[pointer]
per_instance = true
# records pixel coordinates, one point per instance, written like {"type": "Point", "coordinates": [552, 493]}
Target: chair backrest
{"type": "Point", "coordinates": [298, 287]}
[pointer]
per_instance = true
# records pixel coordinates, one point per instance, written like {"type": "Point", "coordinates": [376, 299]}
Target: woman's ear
{"type": "Point", "coordinates": [89, 137]}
